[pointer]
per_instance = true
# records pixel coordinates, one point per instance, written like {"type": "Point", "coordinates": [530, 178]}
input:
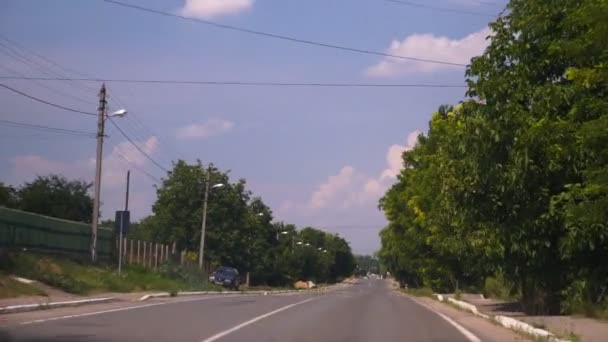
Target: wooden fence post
{"type": "Point", "coordinates": [182, 255]}
{"type": "Point", "coordinates": [155, 256]}
{"type": "Point", "coordinates": [162, 254]}
{"type": "Point", "coordinates": [124, 250]}
{"type": "Point", "coordinates": [137, 258]}
{"type": "Point", "coordinates": [151, 258]}
{"type": "Point", "coordinates": [167, 253]}
{"type": "Point", "coordinates": [144, 256]}
{"type": "Point", "coordinates": [131, 252]}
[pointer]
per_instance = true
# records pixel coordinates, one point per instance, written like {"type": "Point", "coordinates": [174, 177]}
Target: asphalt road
{"type": "Point", "coordinates": [366, 311]}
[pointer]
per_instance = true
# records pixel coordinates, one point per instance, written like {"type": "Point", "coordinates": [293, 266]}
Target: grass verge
{"type": "Point", "coordinates": [10, 288]}
{"type": "Point", "coordinates": [81, 278]}
{"type": "Point", "coordinates": [420, 292]}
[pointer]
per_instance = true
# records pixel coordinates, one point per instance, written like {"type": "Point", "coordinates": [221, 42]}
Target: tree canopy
{"type": "Point", "coordinates": [51, 195]}
{"type": "Point", "coordinates": [514, 180]}
{"type": "Point", "coordinates": [240, 231]}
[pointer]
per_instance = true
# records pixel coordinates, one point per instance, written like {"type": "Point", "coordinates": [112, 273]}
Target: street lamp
{"type": "Point", "coordinates": [121, 113]}
{"type": "Point", "coordinates": [299, 243]}
{"type": "Point", "coordinates": [101, 120]}
{"type": "Point", "coordinates": [202, 245]}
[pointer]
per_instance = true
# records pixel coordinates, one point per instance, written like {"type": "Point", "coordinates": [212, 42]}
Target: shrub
{"type": "Point", "coordinates": [497, 287]}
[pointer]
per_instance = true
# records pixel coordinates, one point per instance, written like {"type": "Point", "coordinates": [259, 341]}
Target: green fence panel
{"type": "Point", "coordinates": [19, 229]}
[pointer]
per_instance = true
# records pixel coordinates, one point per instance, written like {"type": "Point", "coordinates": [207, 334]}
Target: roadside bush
{"type": "Point", "coordinates": [420, 292]}
{"type": "Point", "coordinates": [497, 287]}
{"type": "Point", "coordinates": [575, 300]}
{"type": "Point", "coordinates": [189, 275]}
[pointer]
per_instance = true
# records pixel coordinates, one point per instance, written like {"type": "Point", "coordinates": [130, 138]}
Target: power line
{"type": "Point", "coordinates": [44, 101]}
{"type": "Point", "coordinates": [147, 132]}
{"type": "Point", "coordinates": [436, 8]}
{"type": "Point", "coordinates": [18, 53]}
{"type": "Point", "coordinates": [41, 84]}
{"type": "Point", "coordinates": [21, 51]}
{"type": "Point", "coordinates": [77, 111]}
{"type": "Point", "coordinates": [136, 146]}
{"type": "Point", "coordinates": [43, 136]}
{"type": "Point", "coordinates": [45, 128]}
{"type": "Point", "coordinates": [281, 37]}
{"type": "Point", "coordinates": [242, 83]}
{"type": "Point", "coordinates": [47, 60]}
{"type": "Point", "coordinates": [136, 167]}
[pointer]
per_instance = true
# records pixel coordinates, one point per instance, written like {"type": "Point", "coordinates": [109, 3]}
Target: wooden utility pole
{"type": "Point", "coordinates": [100, 135]}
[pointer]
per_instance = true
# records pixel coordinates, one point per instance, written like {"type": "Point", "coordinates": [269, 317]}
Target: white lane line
{"type": "Point", "coordinates": [116, 310]}
{"type": "Point", "coordinates": [253, 320]}
{"type": "Point", "coordinates": [469, 335]}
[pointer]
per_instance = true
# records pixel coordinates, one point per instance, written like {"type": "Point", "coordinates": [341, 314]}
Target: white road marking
{"type": "Point", "coordinates": [469, 335]}
{"type": "Point", "coordinates": [253, 320]}
{"type": "Point", "coordinates": [116, 310]}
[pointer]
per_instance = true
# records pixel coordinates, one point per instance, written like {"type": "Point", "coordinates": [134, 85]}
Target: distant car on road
{"type": "Point", "coordinates": [226, 276]}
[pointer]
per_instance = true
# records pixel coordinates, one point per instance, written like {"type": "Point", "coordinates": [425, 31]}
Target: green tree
{"type": "Point", "coordinates": [56, 196]}
{"type": "Point", "coordinates": [8, 196]}
{"type": "Point", "coordinates": [514, 181]}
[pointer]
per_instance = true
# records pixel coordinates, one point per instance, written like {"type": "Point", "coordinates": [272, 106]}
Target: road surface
{"type": "Point", "coordinates": [365, 311]}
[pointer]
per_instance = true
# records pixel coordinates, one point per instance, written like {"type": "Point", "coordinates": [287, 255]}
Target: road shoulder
{"type": "Point", "coordinates": [483, 329]}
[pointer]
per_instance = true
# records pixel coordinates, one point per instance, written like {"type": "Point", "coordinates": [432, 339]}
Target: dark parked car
{"type": "Point", "coordinates": [226, 276]}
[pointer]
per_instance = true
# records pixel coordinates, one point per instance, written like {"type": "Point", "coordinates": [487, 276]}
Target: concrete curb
{"type": "Point", "coordinates": [53, 305]}
{"type": "Point", "coordinates": [255, 292]}
{"type": "Point", "coordinates": [504, 321]}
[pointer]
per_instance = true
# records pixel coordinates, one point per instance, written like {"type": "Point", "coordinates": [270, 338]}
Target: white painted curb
{"type": "Point", "coordinates": [52, 305]}
{"type": "Point", "coordinates": [507, 322]}
{"type": "Point", "coordinates": [255, 292]}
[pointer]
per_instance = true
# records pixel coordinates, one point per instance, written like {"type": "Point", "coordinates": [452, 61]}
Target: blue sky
{"type": "Point", "coordinates": [317, 156]}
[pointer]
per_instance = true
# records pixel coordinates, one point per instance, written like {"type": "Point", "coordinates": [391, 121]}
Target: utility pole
{"type": "Point", "coordinates": [202, 246]}
{"type": "Point", "coordinates": [100, 135]}
{"type": "Point", "coordinates": [122, 220]}
{"type": "Point", "coordinates": [127, 194]}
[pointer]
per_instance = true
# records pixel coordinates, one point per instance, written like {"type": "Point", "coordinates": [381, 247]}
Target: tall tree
{"type": "Point", "coordinates": [56, 196]}
{"type": "Point", "coordinates": [8, 196]}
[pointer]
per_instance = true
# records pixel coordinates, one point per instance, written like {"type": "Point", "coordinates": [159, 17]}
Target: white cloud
{"type": "Point", "coordinates": [350, 188]}
{"type": "Point", "coordinates": [393, 156]}
{"type": "Point", "coordinates": [429, 46]}
{"type": "Point", "coordinates": [26, 168]}
{"type": "Point", "coordinates": [207, 9]}
{"type": "Point", "coordinates": [115, 166]}
{"type": "Point", "coordinates": [211, 127]}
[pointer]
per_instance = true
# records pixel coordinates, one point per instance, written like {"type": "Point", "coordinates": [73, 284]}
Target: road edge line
{"type": "Point", "coordinates": [464, 331]}
{"type": "Point", "coordinates": [126, 308]}
{"type": "Point", "coordinates": [253, 320]}
{"type": "Point", "coordinates": [52, 305]}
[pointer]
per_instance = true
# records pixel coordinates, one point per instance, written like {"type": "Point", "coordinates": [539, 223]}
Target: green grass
{"type": "Point", "coordinates": [81, 278]}
{"type": "Point", "coordinates": [420, 292]}
{"type": "Point", "coordinates": [10, 288]}
{"type": "Point", "coordinates": [591, 310]}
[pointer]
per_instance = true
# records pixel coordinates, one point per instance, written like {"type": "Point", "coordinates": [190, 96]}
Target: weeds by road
{"type": "Point", "coordinates": [80, 278]}
{"type": "Point", "coordinates": [10, 287]}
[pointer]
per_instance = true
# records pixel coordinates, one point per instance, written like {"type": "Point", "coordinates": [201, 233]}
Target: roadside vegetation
{"type": "Point", "coordinates": [10, 288]}
{"type": "Point", "coordinates": [240, 230]}
{"type": "Point", "coordinates": [507, 191]}
{"type": "Point", "coordinates": [82, 278]}
{"type": "Point", "coordinates": [420, 292]}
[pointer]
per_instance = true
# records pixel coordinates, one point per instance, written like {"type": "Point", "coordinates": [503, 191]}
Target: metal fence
{"type": "Point", "coordinates": [19, 229]}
